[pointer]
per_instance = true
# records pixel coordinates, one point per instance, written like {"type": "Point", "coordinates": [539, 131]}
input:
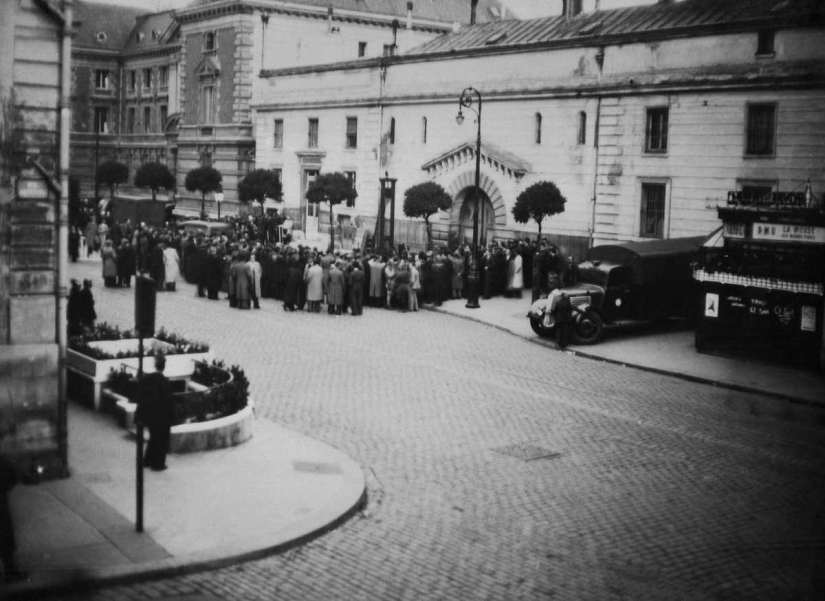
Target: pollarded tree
{"type": "Point", "coordinates": [542, 199]}
{"type": "Point", "coordinates": [260, 184]}
{"type": "Point", "coordinates": [154, 176]}
{"type": "Point", "coordinates": [112, 174]}
{"type": "Point", "coordinates": [424, 200]}
{"type": "Point", "coordinates": [203, 180]}
{"type": "Point", "coordinates": [332, 188]}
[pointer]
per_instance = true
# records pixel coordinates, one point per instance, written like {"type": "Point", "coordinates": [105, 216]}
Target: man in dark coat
{"type": "Point", "coordinates": [156, 411]}
{"type": "Point", "coordinates": [356, 290]}
{"type": "Point", "coordinates": [157, 269]}
{"type": "Point", "coordinates": [563, 312]}
{"type": "Point", "coordinates": [213, 273]}
{"type": "Point", "coordinates": [86, 305]}
{"type": "Point", "coordinates": [126, 264]}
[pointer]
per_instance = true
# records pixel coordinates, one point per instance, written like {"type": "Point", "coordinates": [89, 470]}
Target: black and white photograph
{"type": "Point", "coordinates": [406, 300]}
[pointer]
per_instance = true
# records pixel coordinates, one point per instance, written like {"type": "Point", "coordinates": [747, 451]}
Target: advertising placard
{"type": "Point", "coordinates": [779, 232]}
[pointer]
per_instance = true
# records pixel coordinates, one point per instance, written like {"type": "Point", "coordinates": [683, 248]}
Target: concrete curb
{"type": "Point", "coordinates": [794, 406]}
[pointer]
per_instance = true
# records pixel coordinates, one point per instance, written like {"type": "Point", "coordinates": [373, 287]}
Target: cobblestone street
{"type": "Point", "coordinates": [499, 468]}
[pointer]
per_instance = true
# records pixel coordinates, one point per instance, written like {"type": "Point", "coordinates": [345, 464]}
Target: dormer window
{"type": "Point", "coordinates": [765, 43]}
{"type": "Point", "coordinates": [209, 42]}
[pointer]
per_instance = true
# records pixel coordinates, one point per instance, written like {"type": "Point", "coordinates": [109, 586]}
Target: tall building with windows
{"type": "Point", "coordinates": [645, 117]}
{"type": "Point", "coordinates": [176, 86]}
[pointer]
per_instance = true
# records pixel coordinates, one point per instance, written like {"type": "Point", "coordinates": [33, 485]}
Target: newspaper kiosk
{"type": "Point", "coordinates": [760, 280]}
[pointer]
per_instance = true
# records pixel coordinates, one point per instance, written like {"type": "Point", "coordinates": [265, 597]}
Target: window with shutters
{"type": "Point", "coordinates": [278, 134]}
{"type": "Point", "coordinates": [312, 138]}
{"type": "Point", "coordinates": [352, 132]}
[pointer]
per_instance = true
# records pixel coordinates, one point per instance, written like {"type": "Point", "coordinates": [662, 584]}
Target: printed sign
{"type": "Point", "coordinates": [711, 305]}
{"type": "Point", "coordinates": [789, 233]}
{"type": "Point", "coordinates": [808, 323]}
{"type": "Point", "coordinates": [734, 230]}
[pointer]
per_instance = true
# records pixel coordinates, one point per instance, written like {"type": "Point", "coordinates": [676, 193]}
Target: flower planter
{"type": "Point", "coordinates": [96, 371]}
{"type": "Point", "coordinates": [221, 433]}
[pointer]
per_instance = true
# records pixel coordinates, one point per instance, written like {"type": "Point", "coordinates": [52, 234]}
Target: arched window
{"type": "Point", "coordinates": [538, 128]}
{"type": "Point", "coordinates": [392, 130]}
{"type": "Point", "coordinates": [582, 137]}
{"type": "Point", "coordinates": [424, 130]}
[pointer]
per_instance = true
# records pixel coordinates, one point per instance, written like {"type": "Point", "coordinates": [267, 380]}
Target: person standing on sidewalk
{"type": "Point", "coordinates": [156, 412]}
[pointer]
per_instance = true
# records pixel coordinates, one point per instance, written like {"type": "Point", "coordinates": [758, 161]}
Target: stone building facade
{"type": "Point", "coordinates": [645, 118]}
{"type": "Point", "coordinates": [35, 42]}
{"type": "Point", "coordinates": [176, 86]}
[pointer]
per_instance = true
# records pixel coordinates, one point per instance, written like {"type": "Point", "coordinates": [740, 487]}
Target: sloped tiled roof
{"type": "Point", "coordinates": [448, 11]}
{"type": "Point", "coordinates": [663, 18]}
{"type": "Point", "coordinates": [115, 22]}
{"type": "Point", "coordinates": [148, 31]}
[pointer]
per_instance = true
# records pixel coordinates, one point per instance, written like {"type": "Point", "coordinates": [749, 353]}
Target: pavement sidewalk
{"type": "Point", "coordinates": [208, 509]}
{"type": "Point", "coordinates": [793, 392]}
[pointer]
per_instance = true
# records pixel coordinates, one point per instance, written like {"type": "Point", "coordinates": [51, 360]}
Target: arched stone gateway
{"type": "Point", "coordinates": [494, 213]}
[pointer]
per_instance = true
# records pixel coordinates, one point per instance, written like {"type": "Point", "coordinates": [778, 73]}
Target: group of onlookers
{"type": "Point", "coordinates": [247, 268]}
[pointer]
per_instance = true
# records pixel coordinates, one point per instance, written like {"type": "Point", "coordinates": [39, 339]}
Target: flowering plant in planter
{"type": "Point", "coordinates": [226, 392]}
{"type": "Point", "coordinates": [174, 343]}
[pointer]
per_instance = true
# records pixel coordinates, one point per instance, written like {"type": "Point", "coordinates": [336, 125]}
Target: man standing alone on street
{"type": "Point", "coordinates": [156, 412]}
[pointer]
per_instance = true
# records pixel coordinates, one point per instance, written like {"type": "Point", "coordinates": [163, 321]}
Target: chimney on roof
{"type": "Point", "coordinates": [473, 7]}
{"type": "Point", "coordinates": [571, 8]}
{"type": "Point", "coordinates": [409, 15]}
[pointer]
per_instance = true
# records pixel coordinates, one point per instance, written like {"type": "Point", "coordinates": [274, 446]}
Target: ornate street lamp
{"type": "Point", "coordinates": [466, 101]}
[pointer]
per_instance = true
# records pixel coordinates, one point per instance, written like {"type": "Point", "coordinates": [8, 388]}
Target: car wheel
{"type": "Point", "coordinates": [538, 328]}
{"type": "Point", "coordinates": [589, 328]}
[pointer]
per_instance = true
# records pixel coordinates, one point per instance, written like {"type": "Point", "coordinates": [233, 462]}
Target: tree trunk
{"type": "Point", "coordinates": [539, 238]}
{"type": "Point", "coordinates": [203, 205]}
{"type": "Point", "coordinates": [154, 196]}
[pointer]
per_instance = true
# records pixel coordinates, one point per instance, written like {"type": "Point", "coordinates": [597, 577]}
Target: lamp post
{"type": "Point", "coordinates": [466, 101]}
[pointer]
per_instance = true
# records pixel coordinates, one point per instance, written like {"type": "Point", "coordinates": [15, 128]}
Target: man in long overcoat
{"type": "Point", "coordinates": [156, 411]}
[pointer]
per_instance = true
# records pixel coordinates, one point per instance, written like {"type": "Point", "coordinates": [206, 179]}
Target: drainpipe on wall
{"type": "Point", "coordinates": [595, 172]}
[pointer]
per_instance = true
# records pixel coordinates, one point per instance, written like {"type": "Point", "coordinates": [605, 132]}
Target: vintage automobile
{"type": "Point", "coordinates": [625, 283]}
{"type": "Point", "coordinates": [207, 228]}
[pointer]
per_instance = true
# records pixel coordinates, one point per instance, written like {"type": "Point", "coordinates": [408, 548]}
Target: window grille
{"type": "Point", "coordinates": [761, 129]}
{"type": "Point", "coordinates": [653, 210]}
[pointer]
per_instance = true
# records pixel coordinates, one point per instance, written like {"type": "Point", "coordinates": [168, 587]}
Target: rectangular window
{"type": "Point", "coordinates": [423, 130]}
{"type": "Point", "coordinates": [582, 137]}
{"type": "Point", "coordinates": [147, 79]}
{"type": "Point", "coordinates": [130, 120]}
{"type": "Point", "coordinates": [351, 177]}
{"type": "Point", "coordinates": [132, 80]}
{"type": "Point", "coordinates": [764, 43]}
{"type": "Point", "coordinates": [756, 194]}
{"type": "Point", "coordinates": [278, 136]}
{"type": "Point", "coordinates": [102, 120]}
{"type": "Point", "coordinates": [652, 223]}
{"type": "Point", "coordinates": [312, 141]}
{"type": "Point", "coordinates": [205, 159]}
{"type": "Point", "coordinates": [147, 119]}
{"type": "Point", "coordinates": [362, 49]}
{"type": "Point", "coordinates": [164, 114]}
{"type": "Point", "coordinates": [163, 77]}
{"type": "Point", "coordinates": [352, 132]}
{"type": "Point", "coordinates": [208, 104]}
{"type": "Point", "coordinates": [656, 130]}
{"type": "Point", "coordinates": [101, 79]}
{"type": "Point", "coordinates": [388, 49]}
{"type": "Point", "coordinates": [761, 132]}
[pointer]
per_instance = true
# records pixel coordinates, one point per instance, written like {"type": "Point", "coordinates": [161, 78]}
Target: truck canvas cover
{"type": "Point", "coordinates": [652, 261]}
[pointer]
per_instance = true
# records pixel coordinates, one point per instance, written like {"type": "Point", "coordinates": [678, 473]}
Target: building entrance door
{"type": "Point", "coordinates": [486, 219]}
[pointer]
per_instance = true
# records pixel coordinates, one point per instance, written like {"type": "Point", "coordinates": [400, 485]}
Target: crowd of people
{"type": "Point", "coordinates": [246, 267]}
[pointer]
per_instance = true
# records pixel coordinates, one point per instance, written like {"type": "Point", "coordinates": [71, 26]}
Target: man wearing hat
{"type": "Point", "coordinates": [156, 411]}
